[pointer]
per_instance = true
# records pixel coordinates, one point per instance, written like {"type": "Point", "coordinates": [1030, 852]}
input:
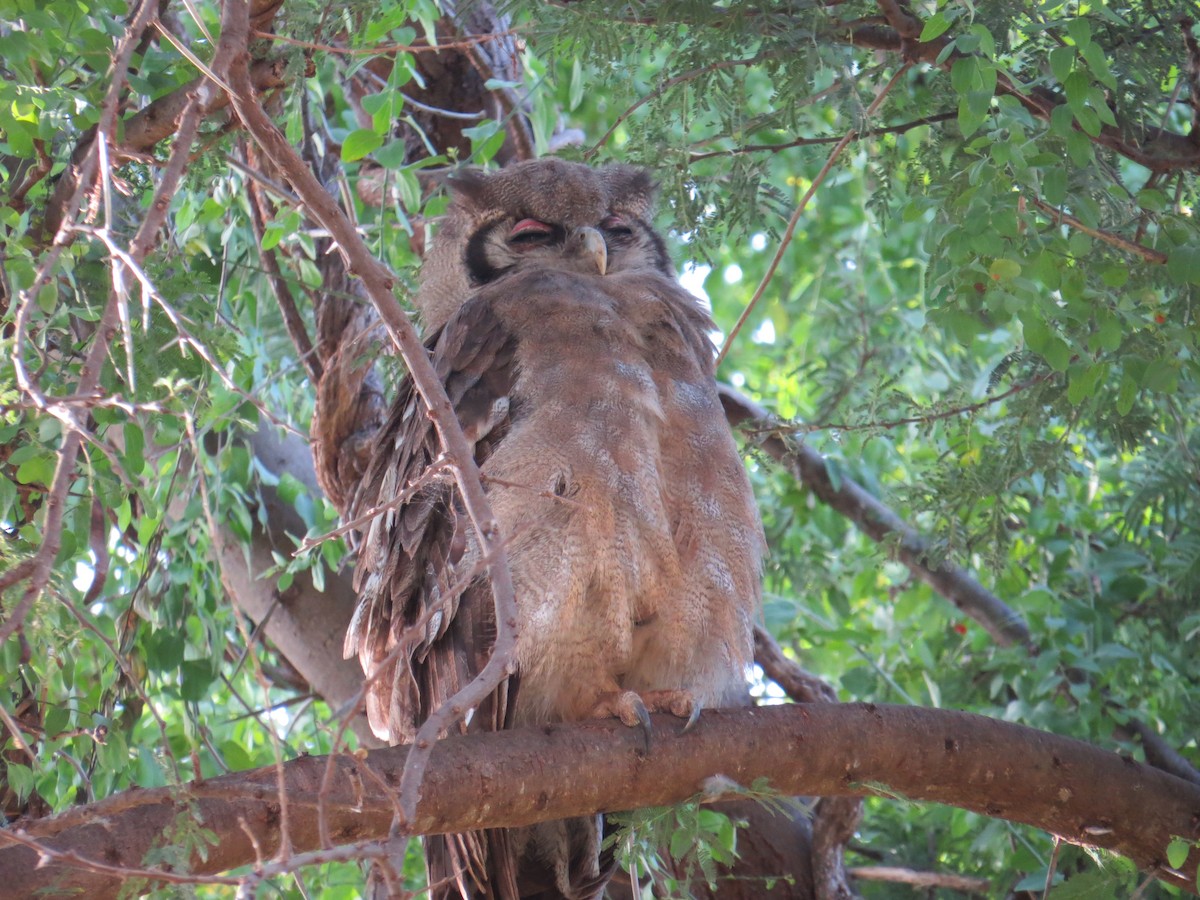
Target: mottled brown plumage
{"type": "Point", "coordinates": [583, 373]}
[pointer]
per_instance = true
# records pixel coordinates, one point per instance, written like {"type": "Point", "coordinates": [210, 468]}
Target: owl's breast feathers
{"type": "Point", "coordinates": [627, 516]}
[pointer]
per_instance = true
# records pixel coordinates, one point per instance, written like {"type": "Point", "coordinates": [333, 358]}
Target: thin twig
{"type": "Point", "coordinates": [815, 141]}
{"type": "Point", "coordinates": [292, 319]}
{"type": "Point", "coordinates": [666, 86]}
{"type": "Point", "coordinates": [390, 49]}
{"type": "Point", "coordinates": [36, 569]}
{"type": "Point", "coordinates": [789, 428]}
{"type": "Point", "coordinates": [880, 523]}
{"type": "Point", "coordinates": [1114, 240]}
{"type": "Point", "coordinates": [799, 211]}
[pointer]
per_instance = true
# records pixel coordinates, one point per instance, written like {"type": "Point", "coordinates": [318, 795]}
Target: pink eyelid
{"type": "Point", "coordinates": [613, 221]}
{"type": "Point", "coordinates": [530, 225]}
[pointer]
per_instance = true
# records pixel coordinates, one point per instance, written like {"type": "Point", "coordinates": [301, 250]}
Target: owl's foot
{"type": "Point", "coordinates": [634, 709]}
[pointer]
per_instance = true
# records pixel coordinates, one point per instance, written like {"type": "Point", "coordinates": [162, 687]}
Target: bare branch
{"type": "Point", "coordinates": [1114, 240]}
{"type": "Point", "coordinates": [799, 685]}
{"type": "Point", "coordinates": [944, 880]}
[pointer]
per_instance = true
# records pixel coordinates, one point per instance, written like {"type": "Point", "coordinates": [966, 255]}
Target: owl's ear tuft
{"type": "Point", "coordinates": [636, 188]}
{"type": "Point", "coordinates": [643, 183]}
{"type": "Point", "coordinates": [469, 187]}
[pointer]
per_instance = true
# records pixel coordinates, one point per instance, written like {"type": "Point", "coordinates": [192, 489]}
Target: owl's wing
{"type": "Point", "coordinates": [417, 613]}
{"type": "Point", "coordinates": [424, 627]}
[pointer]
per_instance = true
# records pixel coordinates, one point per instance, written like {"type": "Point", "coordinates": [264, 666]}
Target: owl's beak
{"type": "Point", "coordinates": [593, 247]}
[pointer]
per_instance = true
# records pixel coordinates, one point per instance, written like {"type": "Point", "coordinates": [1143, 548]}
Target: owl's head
{"type": "Point", "coordinates": [545, 213]}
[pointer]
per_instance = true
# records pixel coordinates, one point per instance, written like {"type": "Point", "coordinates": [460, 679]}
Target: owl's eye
{"type": "Point", "coordinates": [530, 232]}
{"type": "Point", "coordinates": [616, 227]}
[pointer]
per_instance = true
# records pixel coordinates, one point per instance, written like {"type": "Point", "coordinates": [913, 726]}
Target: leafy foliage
{"type": "Point", "coordinates": [987, 316]}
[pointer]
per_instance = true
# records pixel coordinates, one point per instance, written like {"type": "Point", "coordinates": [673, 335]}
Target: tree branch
{"type": "Point", "coordinates": [899, 31]}
{"type": "Point", "coordinates": [379, 283]}
{"type": "Point", "coordinates": [1066, 787]}
{"type": "Point", "coordinates": [36, 570]}
{"type": "Point", "coordinates": [808, 466]}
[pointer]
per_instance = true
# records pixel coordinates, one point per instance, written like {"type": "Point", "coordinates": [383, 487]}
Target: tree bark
{"type": "Point", "coordinates": [1069, 788]}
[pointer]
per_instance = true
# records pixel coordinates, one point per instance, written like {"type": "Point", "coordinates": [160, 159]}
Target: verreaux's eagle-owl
{"type": "Point", "coordinates": [583, 373]}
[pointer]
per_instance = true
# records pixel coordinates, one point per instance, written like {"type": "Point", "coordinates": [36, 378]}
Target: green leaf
{"type": "Point", "coordinates": [1127, 394]}
{"type": "Point", "coordinates": [359, 143]}
{"type": "Point", "coordinates": [1088, 120]}
{"type": "Point", "coordinates": [195, 676]}
{"type": "Point", "coordinates": [1177, 852]}
{"type": "Point", "coordinates": [964, 74]}
{"type": "Point", "coordinates": [935, 26]}
{"type": "Point", "coordinates": [1054, 185]}
{"type": "Point", "coordinates": [1090, 885]}
{"type": "Point", "coordinates": [37, 470]}
{"type": "Point", "coordinates": [987, 43]}
{"type": "Point", "coordinates": [1183, 265]}
{"type": "Point", "coordinates": [1079, 149]}
{"type": "Point", "coordinates": [486, 139]}
{"type": "Point", "coordinates": [1083, 382]}
{"type": "Point", "coordinates": [1062, 61]}
{"type": "Point", "coordinates": [20, 778]}
{"type": "Point", "coordinates": [392, 155]}
{"type": "Point", "coordinates": [1080, 31]}
{"type": "Point", "coordinates": [575, 91]}
{"type": "Point", "coordinates": [1004, 269]}
{"type": "Point", "coordinates": [1075, 86]}
{"type": "Point", "coordinates": [1094, 56]}
{"type": "Point", "coordinates": [235, 756]}
{"type": "Point", "coordinates": [56, 720]}
{"type": "Point", "coordinates": [135, 447]}
{"type": "Point", "coordinates": [1152, 199]}
{"type": "Point", "coordinates": [272, 235]}
{"type": "Point", "coordinates": [681, 843]}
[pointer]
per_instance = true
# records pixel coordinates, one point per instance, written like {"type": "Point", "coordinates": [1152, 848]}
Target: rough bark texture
{"type": "Point", "coordinates": [1066, 787]}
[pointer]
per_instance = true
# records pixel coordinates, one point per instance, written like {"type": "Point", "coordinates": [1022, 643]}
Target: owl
{"type": "Point", "coordinates": [582, 372]}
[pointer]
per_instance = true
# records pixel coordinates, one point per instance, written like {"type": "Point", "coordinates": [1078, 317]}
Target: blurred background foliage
{"type": "Point", "coordinates": [1019, 387]}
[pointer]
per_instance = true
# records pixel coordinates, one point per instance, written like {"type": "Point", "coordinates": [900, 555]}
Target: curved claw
{"type": "Point", "coordinates": [643, 723]}
{"type": "Point", "coordinates": [693, 717]}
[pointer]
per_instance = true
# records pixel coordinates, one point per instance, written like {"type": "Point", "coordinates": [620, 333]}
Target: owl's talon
{"type": "Point", "coordinates": [629, 708]}
{"type": "Point", "coordinates": [692, 718]}
{"type": "Point", "coordinates": [643, 724]}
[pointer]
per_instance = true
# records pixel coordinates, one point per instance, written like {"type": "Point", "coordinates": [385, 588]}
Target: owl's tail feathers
{"type": "Point", "coordinates": [566, 860]}
{"type": "Point", "coordinates": [475, 865]}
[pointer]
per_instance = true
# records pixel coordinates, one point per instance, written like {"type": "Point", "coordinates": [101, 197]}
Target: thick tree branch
{"type": "Point", "coordinates": [304, 624]}
{"type": "Point", "coordinates": [950, 882]}
{"type": "Point", "coordinates": [898, 30]}
{"type": "Point", "coordinates": [1068, 788]}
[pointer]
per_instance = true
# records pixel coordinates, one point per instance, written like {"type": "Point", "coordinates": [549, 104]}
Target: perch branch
{"type": "Point", "coordinates": [506, 779]}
